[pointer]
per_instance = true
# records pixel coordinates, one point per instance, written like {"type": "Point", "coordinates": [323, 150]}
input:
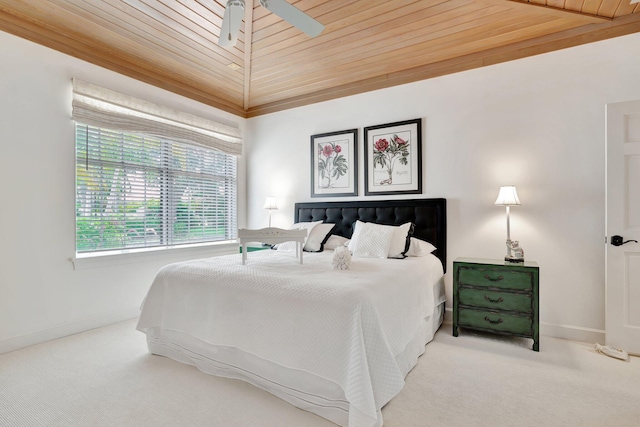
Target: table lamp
{"type": "Point", "coordinates": [270, 204]}
{"type": "Point", "coordinates": [509, 197]}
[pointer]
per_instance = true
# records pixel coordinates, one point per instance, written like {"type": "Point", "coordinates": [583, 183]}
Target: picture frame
{"type": "Point", "coordinates": [334, 164]}
{"type": "Point", "coordinates": [393, 158]}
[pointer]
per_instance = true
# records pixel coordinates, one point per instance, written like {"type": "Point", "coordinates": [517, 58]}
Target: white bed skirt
{"type": "Point", "coordinates": [302, 389]}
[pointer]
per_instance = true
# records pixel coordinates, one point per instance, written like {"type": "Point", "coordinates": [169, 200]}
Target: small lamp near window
{"type": "Point", "coordinates": [270, 204]}
{"type": "Point", "coordinates": [509, 197]}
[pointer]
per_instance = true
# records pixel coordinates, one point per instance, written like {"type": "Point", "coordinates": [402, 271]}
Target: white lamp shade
{"type": "Point", "coordinates": [507, 196]}
{"type": "Point", "coordinates": [270, 203]}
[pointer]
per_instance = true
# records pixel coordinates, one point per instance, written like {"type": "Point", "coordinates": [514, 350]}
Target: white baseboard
{"type": "Point", "coordinates": [67, 329]}
{"type": "Point", "coordinates": [565, 332]}
{"type": "Point", "coordinates": [573, 333]}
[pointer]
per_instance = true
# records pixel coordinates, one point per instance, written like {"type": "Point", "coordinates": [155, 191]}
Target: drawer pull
{"type": "Point", "coordinates": [499, 300]}
{"type": "Point", "coordinates": [493, 279]}
{"type": "Point", "coordinates": [493, 322]}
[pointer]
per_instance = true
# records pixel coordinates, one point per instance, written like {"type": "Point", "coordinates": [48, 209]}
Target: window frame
{"type": "Point", "coordinates": [167, 194]}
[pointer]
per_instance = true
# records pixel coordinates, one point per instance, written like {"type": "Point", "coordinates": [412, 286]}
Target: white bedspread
{"type": "Point", "coordinates": [347, 326]}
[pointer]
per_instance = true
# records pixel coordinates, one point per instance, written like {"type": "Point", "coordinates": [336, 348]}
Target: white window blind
{"type": "Point", "coordinates": [97, 106]}
{"type": "Point", "coordinates": [136, 191]}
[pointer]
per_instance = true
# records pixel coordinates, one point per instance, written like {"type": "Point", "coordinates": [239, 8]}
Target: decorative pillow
{"type": "Point", "coordinates": [400, 241]}
{"type": "Point", "coordinates": [335, 241]}
{"type": "Point", "coordinates": [419, 247]}
{"type": "Point", "coordinates": [291, 246]}
{"type": "Point", "coordinates": [317, 237]}
{"type": "Point", "coordinates": [371, 240]}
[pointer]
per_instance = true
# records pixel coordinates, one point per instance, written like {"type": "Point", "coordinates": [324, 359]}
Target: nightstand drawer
{"type": "Point", "coordinates": [496, 278]}
{"type": "Point", "coordinates": [493, 321]}
{"type": "Point", "coordinates": [495, 299]}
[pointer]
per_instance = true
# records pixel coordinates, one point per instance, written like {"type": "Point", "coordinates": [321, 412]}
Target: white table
{"type": "Point", "coordinates": [271, 236]}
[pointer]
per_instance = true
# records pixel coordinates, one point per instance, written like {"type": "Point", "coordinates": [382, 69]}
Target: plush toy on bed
{"type": "Point", "coordinates": [341, 258]}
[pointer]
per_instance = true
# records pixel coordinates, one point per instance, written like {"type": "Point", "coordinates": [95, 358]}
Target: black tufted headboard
{"type": "Point", "coordinates": [428, 215]}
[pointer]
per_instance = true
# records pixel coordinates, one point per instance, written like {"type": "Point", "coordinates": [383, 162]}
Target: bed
{"type": "Point", "coordinates": [337, 343]}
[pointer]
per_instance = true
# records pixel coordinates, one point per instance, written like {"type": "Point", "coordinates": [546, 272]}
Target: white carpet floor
{"type": "Point", "coordinates": [106, 377]}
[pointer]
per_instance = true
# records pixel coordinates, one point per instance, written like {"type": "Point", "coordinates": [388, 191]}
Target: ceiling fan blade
{"type": "Point", "coordinates": [233, 14]}
{"type": "Point", "coordinates": [294, 16]}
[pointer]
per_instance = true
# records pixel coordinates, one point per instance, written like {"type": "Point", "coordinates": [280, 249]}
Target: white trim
{"type": "Point", "coordinates": [66, 329]}
{"type": "Point", "coordinates": [111, 258]}
{"type": "Point", "coordinates": [573, 333]}
{"type": "Point", "coordinates": [566, 332]}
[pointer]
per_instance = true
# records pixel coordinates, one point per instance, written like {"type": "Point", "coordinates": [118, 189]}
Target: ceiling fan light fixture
{"type": "Point", "coordinates": [237, 3]}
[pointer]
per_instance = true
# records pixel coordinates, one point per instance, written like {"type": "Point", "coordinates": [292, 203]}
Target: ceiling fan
{"type": "Point", "coordinates": [234, 13]}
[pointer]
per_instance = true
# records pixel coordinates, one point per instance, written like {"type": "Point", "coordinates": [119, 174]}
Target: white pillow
{"type": "Point", "coordinates": [291, 246]}
{"type": "Point", "coordinates": [317, 236]}
{"type": "Point", "coordinates": [335, 241]}
{"type": "Point", "coordinates": [419, 247]}
{"type": "Point", "coordinates": [399, 241]}
{"type": "Point", "coordinates": [371, 240]}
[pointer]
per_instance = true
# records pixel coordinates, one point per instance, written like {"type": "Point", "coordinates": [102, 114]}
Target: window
{"type": "Point", "coordinates": [148, 175]}
{"type": "Point", "coordinates": [135, 191]}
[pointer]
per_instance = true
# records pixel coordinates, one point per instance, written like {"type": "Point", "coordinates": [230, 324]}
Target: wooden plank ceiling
{"type": "Point", "coordinates": [366, 44]}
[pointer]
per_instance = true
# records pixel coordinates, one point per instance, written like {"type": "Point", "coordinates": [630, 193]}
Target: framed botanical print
{"type": "Point", "coordinates": [334, 164]}
{"type": "Point", "coordinates": [393, 158]}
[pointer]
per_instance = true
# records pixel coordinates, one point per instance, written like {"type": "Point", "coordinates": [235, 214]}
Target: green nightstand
{"type": "Point", "coordinates": [496, 296]}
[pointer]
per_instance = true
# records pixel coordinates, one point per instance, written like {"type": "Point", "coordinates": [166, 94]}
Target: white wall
{"type": "Point", "coordinates": [537, 123]}
{"type": "Point", "coordinates": [41, 295]}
